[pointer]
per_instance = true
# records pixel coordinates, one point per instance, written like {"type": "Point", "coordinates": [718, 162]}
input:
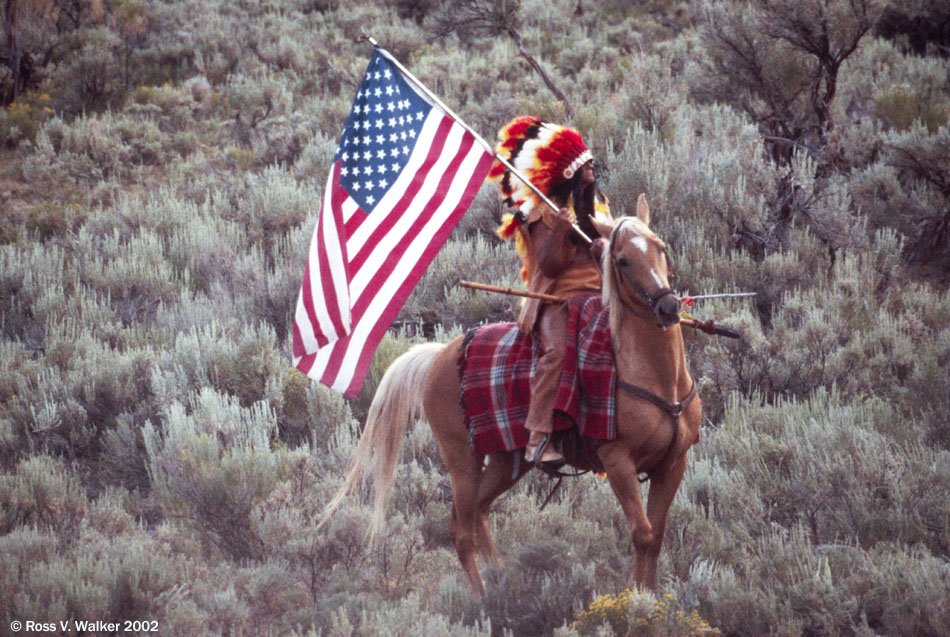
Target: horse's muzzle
{"type": "Point", "coordinates": [667, 310]}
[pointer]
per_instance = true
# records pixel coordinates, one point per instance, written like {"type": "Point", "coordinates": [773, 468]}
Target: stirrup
{"type": "Point", "coordinates": [554, 463]}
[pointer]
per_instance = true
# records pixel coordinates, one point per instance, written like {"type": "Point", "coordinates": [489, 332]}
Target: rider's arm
{"type": "Point", "coordinates": [554, 248]}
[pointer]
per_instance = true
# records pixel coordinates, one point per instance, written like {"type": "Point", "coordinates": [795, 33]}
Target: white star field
{"type": "Point", "coordinates": [380, 132]}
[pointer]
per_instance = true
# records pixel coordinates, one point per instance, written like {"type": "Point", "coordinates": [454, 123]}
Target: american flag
{"type": "Point", "coordinates": [403, 175]}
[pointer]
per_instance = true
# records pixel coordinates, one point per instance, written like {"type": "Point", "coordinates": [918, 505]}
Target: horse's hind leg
{"type": "Point", "coordinates": [496, 479]}
{"type": "Point", "coordinates": [441, 402]}
{"type": "Point", "coordinates": [462, 528]}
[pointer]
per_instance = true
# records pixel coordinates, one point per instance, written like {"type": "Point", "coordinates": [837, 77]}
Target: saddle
{"type": "Point", "coordinates": [495, 367]}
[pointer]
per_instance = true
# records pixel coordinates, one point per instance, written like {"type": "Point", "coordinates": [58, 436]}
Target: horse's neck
{"type": "Point", "coordinates": [651, 357]}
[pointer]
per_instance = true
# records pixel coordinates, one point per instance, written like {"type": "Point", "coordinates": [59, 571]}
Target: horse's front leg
{"type": "Point", "coordinates": [663, 487]}
{"type": "Point", "coordinates": [622, 475]}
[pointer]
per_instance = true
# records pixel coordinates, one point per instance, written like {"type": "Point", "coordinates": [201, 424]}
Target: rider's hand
{"type": "Point", "coordinates": [563, 216]}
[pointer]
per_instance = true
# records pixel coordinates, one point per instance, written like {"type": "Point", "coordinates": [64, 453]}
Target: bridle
{"type": "Point", "coordinates": [650, 300]}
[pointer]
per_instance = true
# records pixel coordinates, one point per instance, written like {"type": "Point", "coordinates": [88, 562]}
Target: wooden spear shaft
{"type": "Point", "coordinates": [501, 290]}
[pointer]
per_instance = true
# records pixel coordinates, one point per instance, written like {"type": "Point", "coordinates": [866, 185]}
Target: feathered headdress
{"type": "Point", "coordinates": [547, 154]}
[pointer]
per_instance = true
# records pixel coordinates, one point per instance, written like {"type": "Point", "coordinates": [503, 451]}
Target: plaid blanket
{"type": "Point", "coordinates": [495, 367]}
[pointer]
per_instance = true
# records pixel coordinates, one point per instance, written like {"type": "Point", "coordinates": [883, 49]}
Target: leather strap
{"type": "Point", "coordinates": [673, 409]}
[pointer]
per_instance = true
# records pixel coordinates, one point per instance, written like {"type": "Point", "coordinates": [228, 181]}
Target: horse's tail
{"type": "Point", "coordinates": [397, 402]}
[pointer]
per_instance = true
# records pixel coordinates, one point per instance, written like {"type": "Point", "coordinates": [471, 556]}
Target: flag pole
{"type": "Point", "coordinates": [504, 162]}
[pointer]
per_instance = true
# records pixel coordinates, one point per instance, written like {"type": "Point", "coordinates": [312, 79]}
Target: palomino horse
{"type": "Point", "coordinates": [658, 413]}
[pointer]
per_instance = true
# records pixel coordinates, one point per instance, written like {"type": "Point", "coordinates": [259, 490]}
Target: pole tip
{"type": "Point", "coordinates": [365, 37]}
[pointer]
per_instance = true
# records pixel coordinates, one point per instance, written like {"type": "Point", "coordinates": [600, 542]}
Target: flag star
{"type": "Point", "coordinates": [379, 123]}
{"type": "Point", "coordinates": [380, 139]}
{"type": "Point", "coordinates": [356, 185]}
{"type": "Point", "coordinates": [356, 170]}
{"type": "Point", "coordinates": [379, 108]}
{"type": "Point", "coordinates": [381, 154]}
{"type": "Point", "coordinates": [403, 104]}
{"type": "Point", "coordinates": [367, 155]}
{"type": "Point", "coordinates": [391, 106]}
{"type": "Point", "coordinates": [345, 156]}
{"type": "Point", "coordinates": [368, 185]}
{"type": "Point", "coordinates": [419, 115]}
{"type": "Point", "coordinates": [344, 171]}
{"type": "Point", "coordinates": [395, 152]}
{"type": "Point", "coordinates": [402, 135]}
{"type": "Point", "coordinates": [368, 170]}
{"type": "Point", "coordinates": [412, 133]}
{"type": "Point", "coordinates": [402, 120]}
{"type": "Point", "coordinates": [405, 150]}
{"type": "Point", "coordinates": [378, 92]}
{"type": "Point", "coordinates": [393, 137]}
{"type": "Point", "coordinates": [395, 168]}
{"type": "Point", "coordinates": [387, 74]}
{"type": "Point", "coordinates": [392, 121]}
{"type": "Point", "coordinates": [376, 75]}
{"type": "Point", "coordinates": [356, 109]}
{"type": "Point", "coordinates": [371, 200]}
{"type": "Point", "coordinates": [383, 183]}
{"type": "Point", "coordinates": [389, 89]}
{"type": "Point", "coordinates": [382, 167]}
{"type": "Point", "coordinates": [397, 89]}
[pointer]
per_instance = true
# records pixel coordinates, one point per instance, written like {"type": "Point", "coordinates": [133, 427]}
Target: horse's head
{"type": "Point", "coordinates": [637, 267]}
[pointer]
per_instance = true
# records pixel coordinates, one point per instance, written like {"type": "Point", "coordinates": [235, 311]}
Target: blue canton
{"type": "Point", "coordinates": [380, 132]}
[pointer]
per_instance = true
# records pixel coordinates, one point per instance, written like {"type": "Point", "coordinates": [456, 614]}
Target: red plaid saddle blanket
{"type": "Point", "coordinates": [495, 367]}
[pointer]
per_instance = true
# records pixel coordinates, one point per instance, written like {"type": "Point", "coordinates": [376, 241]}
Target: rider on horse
{"type": "Point", "coordinates": [556, 260]}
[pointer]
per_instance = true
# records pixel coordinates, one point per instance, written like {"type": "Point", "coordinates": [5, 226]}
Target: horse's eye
{"type": "Point", "coordinates": [622, 262]}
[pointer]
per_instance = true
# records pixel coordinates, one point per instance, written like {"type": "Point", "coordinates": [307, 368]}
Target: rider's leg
{"type": "Point", "coordinates": [551, 332]}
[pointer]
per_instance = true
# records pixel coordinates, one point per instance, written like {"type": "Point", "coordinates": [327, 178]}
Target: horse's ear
{"type": "Point", "coordinates": [604, 228]}
{"type": "Point", "coordinates": [643, 210]}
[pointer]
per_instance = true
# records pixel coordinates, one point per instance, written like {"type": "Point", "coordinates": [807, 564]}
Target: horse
{"type": "Point", "coordinates": [658, 412]}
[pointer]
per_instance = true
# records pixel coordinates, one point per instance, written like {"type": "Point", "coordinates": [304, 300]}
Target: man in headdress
{"type": "Point", "coordinates": [557, 260]}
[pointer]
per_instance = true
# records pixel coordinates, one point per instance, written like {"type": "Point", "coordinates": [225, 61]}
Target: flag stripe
{"type": "Point", "coordinates": [325, 320]}
{"type": "Point", "coordinates": [332, 264]}
{"type": "Point", "coordinates": [354, 222]}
